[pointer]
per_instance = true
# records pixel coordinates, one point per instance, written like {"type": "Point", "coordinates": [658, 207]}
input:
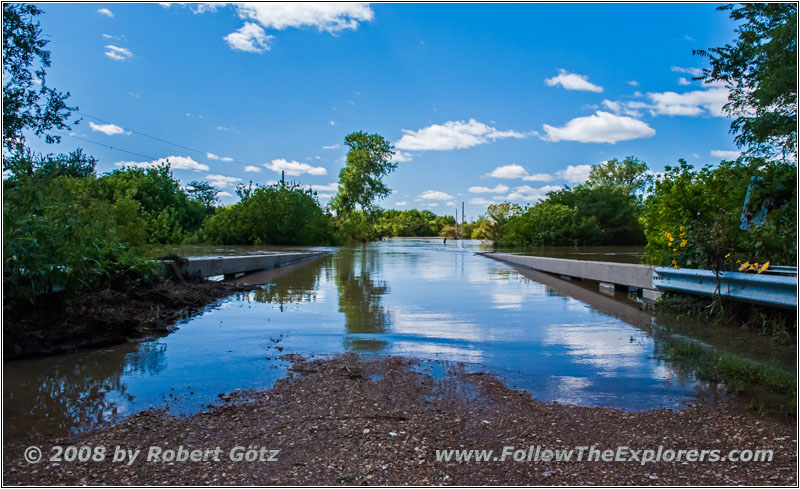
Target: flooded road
{"type": "Point", "coordinates": [412, 297]}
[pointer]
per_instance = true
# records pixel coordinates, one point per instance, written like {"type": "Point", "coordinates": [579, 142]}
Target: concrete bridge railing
{"type": "Point", "coordinates": [229, 266]}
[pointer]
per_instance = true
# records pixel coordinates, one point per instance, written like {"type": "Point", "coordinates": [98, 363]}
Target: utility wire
{"type": "Point", "coordinates": [143, 134]}
{"type": "Point", "coordinates": [109, 147]}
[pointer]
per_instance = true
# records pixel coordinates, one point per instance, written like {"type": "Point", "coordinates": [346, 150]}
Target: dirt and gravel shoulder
{"type": "Point", "coordinates": [109, 316]}
{"type": "Point", "coordinates": [355, 421]}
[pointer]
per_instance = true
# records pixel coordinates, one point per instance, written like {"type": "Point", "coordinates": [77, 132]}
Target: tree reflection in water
{"type": "Point", "coordinates": [75, 392]}
{"type": "Point", "coordinates": [360, 297]}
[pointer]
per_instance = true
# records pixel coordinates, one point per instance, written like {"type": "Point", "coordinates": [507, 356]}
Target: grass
{"type": "Point", "coordinates": [734, 371]}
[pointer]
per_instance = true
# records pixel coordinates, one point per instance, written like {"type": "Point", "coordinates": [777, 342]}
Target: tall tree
{"type": "Point", "coordinates": [760, 70]}
{"type": "Point", "coordinates": [369, 159]}
{"type": "Point", "coordinates": [28, 104]}
{"type": "Point", "coordinates": [630, 174]}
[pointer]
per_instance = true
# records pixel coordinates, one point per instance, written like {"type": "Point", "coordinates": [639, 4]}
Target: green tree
{"type": "Point", "coordinates": [203, 192]}
{"type": "Point", "coordinates": [630, 174]}
{"type": "Point", "coordinates": [497, 218]}
{"type": "Point", "coordinates": [369, 159]}
{"type": "Point", "coordinates": [760, 70]}
{"type": "Point", "coordinates": [28, 103]}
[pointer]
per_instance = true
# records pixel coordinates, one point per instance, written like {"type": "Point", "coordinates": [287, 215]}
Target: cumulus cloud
{"type": "Point", "coordinates": [224, 194]}
{"type": "Point", "coordinates": [573, 81]}
{"type": "Point", "coordinates": [575, 173]}
{"type": "Point", "coordinates": [516, 171]}
{"type": "Point", "coordinates": [452, 135]}
{"type": "Point", "coordinates": [480, 201]}
{"type": "Point", "coordinates": [253, 169]}
{"type": "Point", "coordinates": [690, 71]}
{"type": "Point", "coordinates": [324, 16]}
{"type": "Point", "coordinates": [294, 168]}
{"type": "Point", "coordinates": [498, 189]}
{"type": "Point", "coordinates": [602, 127]}
{"type": "Point", "coordinates": [117, 53]}
{"type": "Point", "coordinates": [175, 162]}
{"type": "Point", "coordinates": [106, 12]}
{"type": "Point", "coordinates": [107, 129]}
{"type": "Point", "coordinates": [683, 81]}
{"type": "Point", "coordinates": [725, 155]}
{"type": "Point", "coordinates": [250, 38]}
{"type": "Point", "coordinates": [434, 195]}
{"type": "Point", "coordinates": [694, 103]}
{"type": "Point", "coordinates": [401, 203]}
{"type": "Point", "coordinates": [401, 156]}
{"type": "Point", "coordinates": [212, 156]}
{"type": "Point", "coordinates": [526, 193]}
{"type": "Point", "coordinates": [633, 83]}
{"type": "Point", "coordinates": [330, 187]}
{"type": "Point", "coordinates": [222, 181]}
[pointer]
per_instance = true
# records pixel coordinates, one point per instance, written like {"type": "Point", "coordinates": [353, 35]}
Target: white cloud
{"type": "Point", "coordinates": [330, 187]}
{"type": "Point", "coordinates": [401, 156]}
{"type": "Point", "coordinates": [452, 135]}
{"type": "Point", "coordinates": [498, 189]}
{"type": "Point", "coordinates": [575, 173]}
{"type": "Point", "coordinates": [691, 71]}
{"type": "Point", "coordinates": [602, 127]}
{"type": "Point", "coordinates": [118, 53]}
{"type": "Point", "coordinates": [694, 103]}
{"type": "Point", "coordinates": [294, 168]}
{"type": "Point", "coordinates": [250, 38]}
{"type": "Point", "coordinates": [573, 81]}
{"type": "Point", "coordinates": [253, 169]}
{"type": "Point", "coordinates": [401, 203]}
{"type": "Point", "coordinates": [480, 201]}
{"type": "Point", "coordinates": [434, 195]}
{"type": "Point", "coordinates": [224, 194]}
{"type": "Point", "coordinates": [726, 155]}
{"type": "Point", "coordinates": [633, 83]}
{"type": "Point", "coordinates": [212, 156]}
{"type": "Point", "coordinates": [225, 128]}
{"type": "Point", "coordinates": [333, 123]}
{"type": "Point", "coordinates": [332, 146]}
{"type": "Point", "coordinates": [107, 129]}
{"type": "Point", "coordinates": [516, 171]}
{"type": "Point", "coordinates": [325, 16]}
{"type": "Point", "coordinates": [222, 181]}
{"type": "Point", "coordinates": [527, 193]}
{"type": "Point", "coordinates": [115, 38]}
{"type": "Point", "coordinates": [683, 81]}
{"type": "Point", "coordinates": [175, 162]}
{"type": "Point", "coordinates": [508, 171]}
{"type": "Point", "coordinates": [135, 94]}
{"type": "Point", "coordinates": [106, 12]}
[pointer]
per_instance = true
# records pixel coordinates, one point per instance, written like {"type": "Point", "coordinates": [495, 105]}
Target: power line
{"type": "Point", "coordinates": [143, 134]}
{"type": "Point", "coordinates": [110, 147]}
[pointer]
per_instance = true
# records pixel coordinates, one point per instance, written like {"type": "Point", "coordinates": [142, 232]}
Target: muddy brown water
{"type": "Point", "coordinates": [561, 341]}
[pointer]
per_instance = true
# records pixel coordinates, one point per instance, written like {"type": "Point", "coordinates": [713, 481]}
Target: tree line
{"type": "Point", "coordinates": [68, 230]}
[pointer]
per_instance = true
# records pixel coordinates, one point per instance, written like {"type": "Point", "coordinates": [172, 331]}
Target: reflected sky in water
{"type": "Point", "coordinates": [403, 297]}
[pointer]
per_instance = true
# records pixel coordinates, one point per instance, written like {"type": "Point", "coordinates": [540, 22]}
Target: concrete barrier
{"type": "Point", "coordinates": [209, 266]}
{"type": "Point", "coordinates": [629, 274]}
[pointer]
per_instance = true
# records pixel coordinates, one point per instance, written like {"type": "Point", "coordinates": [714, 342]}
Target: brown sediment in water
{"type": "Point", "coordinates": [355, 421]}
{"type": "Point", "coordinates": [109, 316]}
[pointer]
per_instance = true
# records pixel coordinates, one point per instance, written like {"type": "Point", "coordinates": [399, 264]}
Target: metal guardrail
{"type": "Point", "coordinates": [769, 290]}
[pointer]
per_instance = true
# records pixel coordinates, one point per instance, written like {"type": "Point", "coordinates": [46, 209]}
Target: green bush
{"type": "Point", "coordinates": [692, 217]}
{"type": "Point", "coordinates": [270, 215]}
{"type": "Point", "coordinates": [169, 214]}
{"type": "Point", "coordinates": [58, 237]}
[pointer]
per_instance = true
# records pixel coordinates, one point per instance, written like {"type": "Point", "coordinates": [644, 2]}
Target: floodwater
{"type": "Point", "coordinates": [562, 341]}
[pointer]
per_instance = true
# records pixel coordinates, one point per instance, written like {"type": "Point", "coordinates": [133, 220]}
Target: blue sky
{"type": "Point", "coordinates": [484, 102]}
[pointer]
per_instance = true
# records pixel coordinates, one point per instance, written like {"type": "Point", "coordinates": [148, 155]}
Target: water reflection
{"type": "Point", "coordinates": [559, 340]}
{"type": "Point", "coordinates": [361, 292]}
{"type": "Point", "coordinates": [73, 392]}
